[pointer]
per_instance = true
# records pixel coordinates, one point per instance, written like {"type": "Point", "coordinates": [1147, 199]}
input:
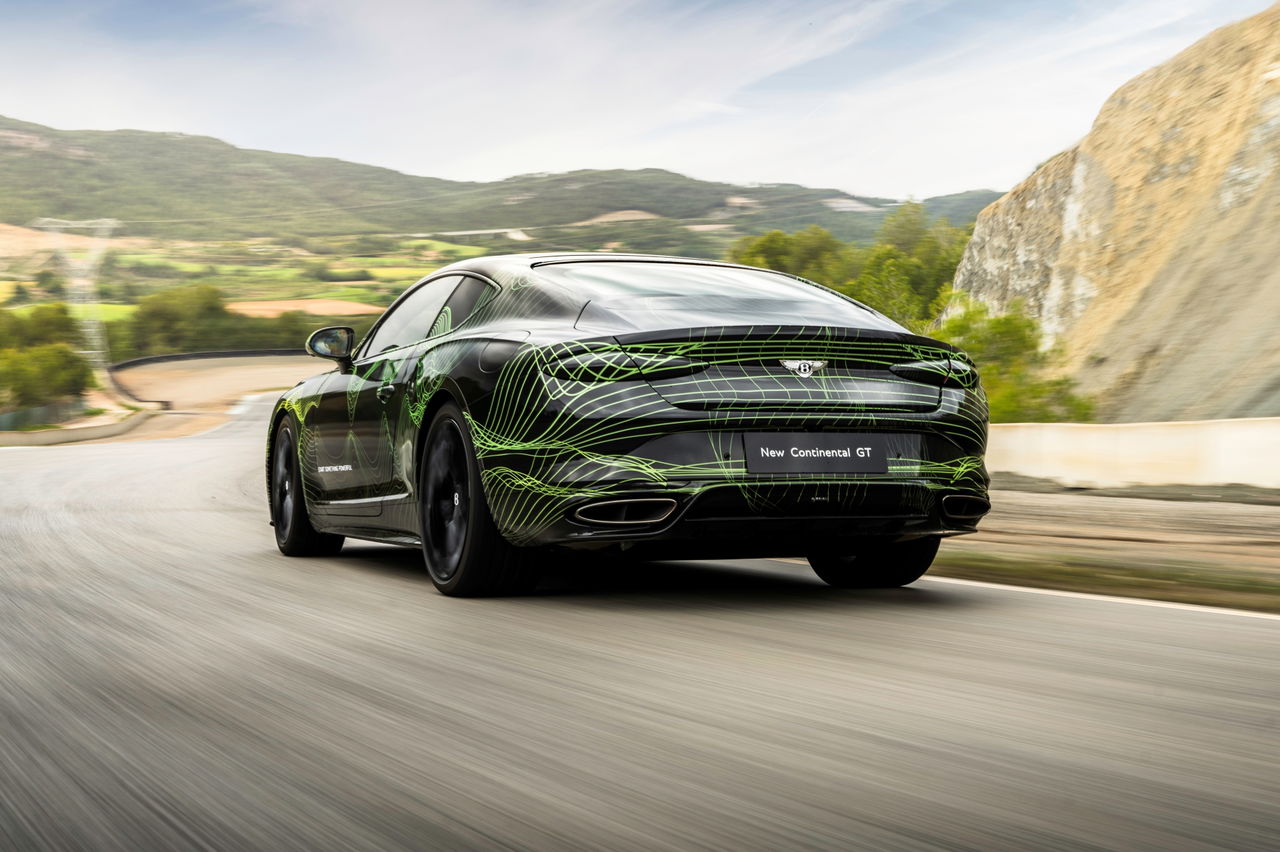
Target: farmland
{"type": "Point", "coordinates": [364, 272]}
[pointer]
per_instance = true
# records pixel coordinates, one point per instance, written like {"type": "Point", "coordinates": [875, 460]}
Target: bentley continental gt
{"type": "Point", "coordinates": [504, 408]}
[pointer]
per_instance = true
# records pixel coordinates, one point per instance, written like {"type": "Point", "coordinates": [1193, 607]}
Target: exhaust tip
{"type": "Point", "coordinates": [964, 507]}
{"type": "Point", "coordinates": [640, 510]}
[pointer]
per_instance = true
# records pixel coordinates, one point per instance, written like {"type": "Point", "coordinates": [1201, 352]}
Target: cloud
{"type": "Point", "coordinates": [490, 88]}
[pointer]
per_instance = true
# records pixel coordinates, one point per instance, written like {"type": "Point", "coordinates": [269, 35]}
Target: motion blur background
{"type": "Point", "coordinates": [1085, 196]}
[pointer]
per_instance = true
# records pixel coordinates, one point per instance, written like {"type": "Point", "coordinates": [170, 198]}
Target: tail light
{"type": "Point", "coordinates": [957, 372]}
{"type": "Point", "coordinates": [615, 365]}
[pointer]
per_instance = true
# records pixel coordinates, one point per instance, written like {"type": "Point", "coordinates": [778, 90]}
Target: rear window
{"type": "Point", "coordinates": [649, 292]}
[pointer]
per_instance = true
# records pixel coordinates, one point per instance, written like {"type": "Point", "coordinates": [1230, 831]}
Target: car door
{"type": "Point", "coordinates": [358, 410]}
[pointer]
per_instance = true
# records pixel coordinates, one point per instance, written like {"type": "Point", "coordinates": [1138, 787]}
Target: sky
{"type": "Point", "coordinates": [892, 98]}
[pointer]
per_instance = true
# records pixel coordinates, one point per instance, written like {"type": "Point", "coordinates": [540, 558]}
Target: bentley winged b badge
{"type": "Point", "coordinates": [803, 367]}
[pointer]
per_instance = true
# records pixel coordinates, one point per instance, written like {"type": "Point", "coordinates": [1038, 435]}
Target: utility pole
{"type": "Point", "coordinates": [82, 268]}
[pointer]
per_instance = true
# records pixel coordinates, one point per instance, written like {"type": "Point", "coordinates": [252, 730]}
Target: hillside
{"type": "Point", "coordinates": [141, 176]}
{"type": "Point", "coordinates": [1149, 250]}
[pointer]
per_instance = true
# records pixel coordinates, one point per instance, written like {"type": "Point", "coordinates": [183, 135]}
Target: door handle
{"type": "Point", "coordinates": [385, 392]}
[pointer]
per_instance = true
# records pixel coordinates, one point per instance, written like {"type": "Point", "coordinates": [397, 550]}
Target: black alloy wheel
{"type": "Point", "coordinates": [295, 536]}
{"type": "Point", "coordinates": [447, 501]}
{"type": "Point", "coordinates": [875, 564]}
{"type": "Point", "coordinates": [465, 554]}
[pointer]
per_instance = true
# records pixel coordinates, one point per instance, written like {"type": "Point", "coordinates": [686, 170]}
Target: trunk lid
{"type": "Point", "coordinates": [789, 368]}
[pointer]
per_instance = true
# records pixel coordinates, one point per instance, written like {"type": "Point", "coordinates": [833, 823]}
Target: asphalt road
{"type": "Point", "coordinates": [169, 681]}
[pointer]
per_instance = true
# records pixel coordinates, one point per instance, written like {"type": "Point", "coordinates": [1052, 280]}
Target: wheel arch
{"type": "Point", "coordinates": [448, 392]}
{"type": "Point", "coordinates": [445, 394]}
{"type": "Point", "coordinates": [277, 417]}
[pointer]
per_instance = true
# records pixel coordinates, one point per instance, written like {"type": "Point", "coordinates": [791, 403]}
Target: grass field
{"type": "Point", "coordinates": [458, 252]}
{"type": "Point", "coordinates": [106, 312]}
{"type": "Point", "coordinates": [265, 270]}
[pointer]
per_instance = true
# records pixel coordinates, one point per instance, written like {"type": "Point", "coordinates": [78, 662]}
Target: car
{"type": "Point", "coordinates": [507, 408]}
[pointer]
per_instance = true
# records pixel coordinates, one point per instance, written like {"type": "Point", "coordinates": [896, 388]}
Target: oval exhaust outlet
{"type": "Point", "coordinates": [640, 510]}
{"type": "Point", "coordinates": [964, 507]}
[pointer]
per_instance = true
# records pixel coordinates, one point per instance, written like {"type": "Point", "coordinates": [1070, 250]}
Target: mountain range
{"type": "Point", "coordinates": [197, 187]}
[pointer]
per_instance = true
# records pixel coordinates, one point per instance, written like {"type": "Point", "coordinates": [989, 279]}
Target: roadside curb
{"type": "Point", "coordinates": [49, 437]}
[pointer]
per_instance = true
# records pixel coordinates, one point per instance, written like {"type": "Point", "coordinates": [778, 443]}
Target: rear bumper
{"type": "Point", "coordinates": [761, 517]}
{"type": "Point", "coordinates": [624, 441]}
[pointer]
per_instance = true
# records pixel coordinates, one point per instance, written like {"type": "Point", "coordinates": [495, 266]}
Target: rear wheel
{"type": "Point", "coordinates": [295, 536]}
{"type": "Point", "coordinates": [876, 565]}
{"type": "Point", "coordinates": [465, 554]}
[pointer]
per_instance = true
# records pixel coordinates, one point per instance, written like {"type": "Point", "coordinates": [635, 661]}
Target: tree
{"type": "Point", "coordinates": [1016, 373]}
{"type": "Point", "coordinates": [41, 374]}
{"type": "Point", "coordinates": [886, 284]}
{"type": "Point", "coordinates": [812, 253]}
{"type": "Point", "coordinates": [179, 320]}
{"type": "Point", "coordinates": [49, 324]}
{"type": "Point", "coordinates": [50, 282]}
{"type": "Point", "coordinates": [904, 227]}
{"type": "Point", "coordinates": [373, 245]}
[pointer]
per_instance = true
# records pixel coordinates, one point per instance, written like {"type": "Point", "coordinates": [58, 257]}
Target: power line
{"type": "Point", "coordinates": [83, 287]}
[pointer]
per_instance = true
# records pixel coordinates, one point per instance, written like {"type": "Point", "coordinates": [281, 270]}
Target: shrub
{"type": "Point", "coordinates": [41, 374]}
{"type": "Point", "coordinates": [1016, 373]}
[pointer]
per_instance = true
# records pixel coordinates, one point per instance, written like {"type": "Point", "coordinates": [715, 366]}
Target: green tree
{"type": "Point", "coordinates": [179, 320]}
{"type": "Point", "coordinates": [12, 330]}
{"type": "Point", "coordinates": [886, 283]}
{"type": "Point", "coordinates": [904, 227]}
{"type": "Point", "coordinates": [41, 374]}
{"type": "Point", "coordinates": [50, 282]}
{"type": "Point", "coordinates": [50, 323]}
{"type": "Point", "coordinates": [812, 253]}
{"type": "Point", "coordinates": [291, 329]}
{"type": "Point", "coordinates": [1016, 372]}
{"type": "Point", "coordinates": [373, 245]}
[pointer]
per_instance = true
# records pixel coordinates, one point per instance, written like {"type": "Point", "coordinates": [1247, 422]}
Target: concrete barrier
{"type": "Point", "coordinates": [48, 437]}
{"type": "Point", "coordinates": [1115, 455]}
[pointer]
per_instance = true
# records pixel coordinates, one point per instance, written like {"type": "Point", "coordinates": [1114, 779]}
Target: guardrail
{"type": "Point", "coordinates": [1117, 455]}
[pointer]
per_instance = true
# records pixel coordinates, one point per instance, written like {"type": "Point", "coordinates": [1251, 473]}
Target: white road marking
{"type": "Point", "coordinates": [243, 404]}
{"type": "Point", "coordinates": [1058, 593]}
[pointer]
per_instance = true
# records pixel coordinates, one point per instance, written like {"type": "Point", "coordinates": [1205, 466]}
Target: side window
{"type": "Point", "coordinates": [468, 295]}
{"type": "Point", "coordinates": [411, 320]}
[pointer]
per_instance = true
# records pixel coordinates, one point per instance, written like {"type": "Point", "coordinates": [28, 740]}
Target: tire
{"type": "Point", "coordinates": [295, 536]}
{"type": "Point", "coordinates": [876, 565]}
{"type": "Point", "coordinates": [465, 554]}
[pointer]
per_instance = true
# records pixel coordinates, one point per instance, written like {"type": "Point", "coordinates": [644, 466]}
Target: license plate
{"type": "Point", "coordinates": [816, 452]}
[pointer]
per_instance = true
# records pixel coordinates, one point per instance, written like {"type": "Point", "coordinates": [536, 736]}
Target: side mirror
{"type": "Point", "coordinates": [335, 343]}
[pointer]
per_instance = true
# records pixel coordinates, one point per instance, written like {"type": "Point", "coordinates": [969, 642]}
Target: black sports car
{"type": "Point", "coordinates": [504, 407]}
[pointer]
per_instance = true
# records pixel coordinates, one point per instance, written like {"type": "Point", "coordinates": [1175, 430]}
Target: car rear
{"type": "Point", "coordinates": [744, 439]}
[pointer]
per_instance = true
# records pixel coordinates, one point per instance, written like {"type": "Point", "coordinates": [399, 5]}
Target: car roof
{"type": "Point", "coordinates": [508, 263]}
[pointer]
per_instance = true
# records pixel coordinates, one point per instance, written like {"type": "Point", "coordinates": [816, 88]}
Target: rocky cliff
{"type": "Point", "coordinates": [1151, 251]}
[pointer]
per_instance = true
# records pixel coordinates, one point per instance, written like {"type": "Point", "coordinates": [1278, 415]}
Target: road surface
{"type": "Point", "coordinates": [169, 681]}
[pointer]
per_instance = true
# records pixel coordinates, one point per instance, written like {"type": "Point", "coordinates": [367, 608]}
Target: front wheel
{"type": "Point", "coordinates": [465, 554]}
{"type": "Point", "coordinates": [876, 565]}
{"type": "Point", "coordinates": [295, 536]}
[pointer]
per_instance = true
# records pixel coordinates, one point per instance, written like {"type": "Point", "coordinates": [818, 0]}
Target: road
{"type": "Point", "coordinates": [169, 681]}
